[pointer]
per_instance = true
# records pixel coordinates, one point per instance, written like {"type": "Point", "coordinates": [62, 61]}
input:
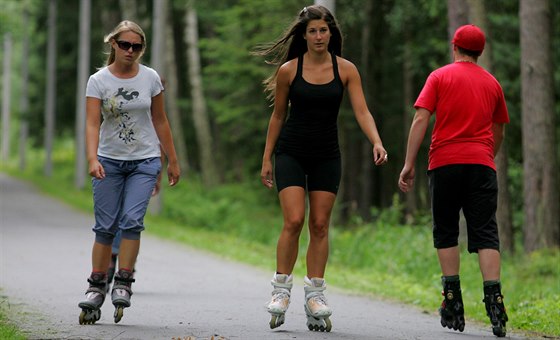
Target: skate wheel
{"type": "Point", "coordinates": [82, 318]}
{"type": "Point", "coordinates": [329, 324]}
{"type": "Point", "coordinates": [499, 331]}
{"type": "Point", "coordinates": [89, 317]}
{"type": "Point", "coordinates": [118, 313]}
{"type": "Point", "coordinates": [276, 321]}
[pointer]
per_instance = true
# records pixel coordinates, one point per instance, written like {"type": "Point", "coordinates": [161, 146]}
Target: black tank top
{"type": "Point", "coordinates": [311, 128]}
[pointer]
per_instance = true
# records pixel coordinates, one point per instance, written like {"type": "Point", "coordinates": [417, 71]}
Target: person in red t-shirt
{"type": "Point", "coordinates": [470, 110]}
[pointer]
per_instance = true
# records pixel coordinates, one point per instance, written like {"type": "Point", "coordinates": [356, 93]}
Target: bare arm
{"type": "Point", "coordinates": [276, 121]}
{"type": "Point", "coordinates": [498, 130]}
{"type": "Point", "coordinates": [93, 123]}
{"type": "Point", "coordinates": [163, 131]}
{"type": "Point", "coordinates": [415, 138]}
{"type": "Point", "coordinates": [361, 112]}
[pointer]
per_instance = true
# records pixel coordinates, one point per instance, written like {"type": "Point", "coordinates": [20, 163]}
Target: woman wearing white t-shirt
{"type": "Point", "coordinates": [126, 129]}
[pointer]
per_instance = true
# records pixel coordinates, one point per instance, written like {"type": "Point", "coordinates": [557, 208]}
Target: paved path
{"type": "Point", "coordinates": [45, 251]}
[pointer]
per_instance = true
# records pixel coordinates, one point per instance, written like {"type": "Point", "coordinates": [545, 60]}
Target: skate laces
{"type": "Point", "coordinates": [280, 299]}
{"type": "Point", "coordinates": [317, 305]}
{"type": "Point", "coordinates": [319, 299]}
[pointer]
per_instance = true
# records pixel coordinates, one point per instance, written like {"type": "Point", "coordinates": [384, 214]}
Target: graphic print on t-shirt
{"type": "Point", "coordinates": [117, 105]}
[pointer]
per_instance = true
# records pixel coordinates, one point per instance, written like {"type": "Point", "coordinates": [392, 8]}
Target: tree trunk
{"type": "Point", "coordinates": [6, 96]}
{"type": "Point", "coordinates": [129, 10]}
{"type": "Point", "coordinates": [366, 172]}
{"type": "Point", "coordinates": [172, 96]}
{"type": "Point", "coordinates": [408, 102]}
{"type": "Point", "coordinates": [156, 62]}
{"type": "Point", "coordinates": [200, 115]}
{"type": "Point", "coordinates": [457, 15]}
{"type": "Point", "coordinates": [542, 226]}
{"type": "Point", "coordinates": [330, 4]}
{"type": "Point", "coordinates": [50, 94]}
{"type": "Point", "coordinates": [503, 214]}
{"type": "Point", "coordinates": [24, 95]}
{"type": "Point", "coordinates": [83, 70]}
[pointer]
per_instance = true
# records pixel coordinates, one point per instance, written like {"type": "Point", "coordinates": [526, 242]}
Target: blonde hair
{"type": "Point", "coordinates": [124, 26]}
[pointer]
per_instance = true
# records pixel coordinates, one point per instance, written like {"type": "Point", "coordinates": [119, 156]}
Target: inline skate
{"type": "Point", "coordinates": [451, 311]}
{"type": "Point", "coordinates": [495, 309]}
{"type": "Point", "coordinates": [316, 308]}
{"type": "Point", "coordinates": [95, 296]}
{"type": "Point", "coordinates": [121, 292]}
{"type": "Point", "coordinates": [280, 301]}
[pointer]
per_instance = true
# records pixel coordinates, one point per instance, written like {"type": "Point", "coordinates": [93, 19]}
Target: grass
{"type": "Point", "coordinates": [7, 330]}
{"type": "Point", "coordinates": [241, 221]}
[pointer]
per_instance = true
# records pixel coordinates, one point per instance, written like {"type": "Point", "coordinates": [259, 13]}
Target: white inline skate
{"type": "Point", "coordinates": [95, 296]}
{"type": "Point", "coordinates": [280, 301]}
{"type": "Point", "coordinates": [121, 292]}
{"type": "Point", "coordinates": [316, 308]}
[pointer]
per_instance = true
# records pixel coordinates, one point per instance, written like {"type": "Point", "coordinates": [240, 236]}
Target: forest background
{"type": "Point", "coordinates": [219, 113]}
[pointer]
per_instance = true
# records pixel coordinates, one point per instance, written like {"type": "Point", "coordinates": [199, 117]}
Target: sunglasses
{"type": "Point", "coordinates": [125, 45]}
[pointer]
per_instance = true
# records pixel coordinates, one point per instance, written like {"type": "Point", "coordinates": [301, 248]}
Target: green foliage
{"type": "Point", "coordinates": [232, 76]}
{"type": "Point", "coordinates": [225, 209]}
{"type": "Point", "coordinates": [7, 330]}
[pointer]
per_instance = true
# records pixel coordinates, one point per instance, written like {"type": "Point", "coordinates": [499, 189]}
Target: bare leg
{"type": "Point", "coordinates": [320, 208]}
{"type": "Point", "coordinates": [100, 257]}
{"type": "Point", "coordinates": [449, 260]}
{"type": "Point", "coordinates": [128, 253]}
{"type": "Point", "coordinates": [292, 201]}
{"type": "Point", "coordinates": [489, 261]}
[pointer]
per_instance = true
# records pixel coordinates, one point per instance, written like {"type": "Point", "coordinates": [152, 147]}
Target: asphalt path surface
{"type": "Point", "coordinates": [180, 292]}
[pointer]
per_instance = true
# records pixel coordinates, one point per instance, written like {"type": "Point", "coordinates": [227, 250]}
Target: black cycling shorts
{"type": "Point", "coordinates": [310, 174]}
{"type": "Point", "coordinates": [472, 188]}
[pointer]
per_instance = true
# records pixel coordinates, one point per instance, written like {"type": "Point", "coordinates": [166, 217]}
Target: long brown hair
{"type": "Point", "coordinates": [292, 44]}
{"type": "Point", "coordinates": [124, 26]}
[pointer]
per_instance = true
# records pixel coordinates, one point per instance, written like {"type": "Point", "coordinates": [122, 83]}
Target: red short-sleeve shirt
{"type": "Point", "coordinates": [467, 100]}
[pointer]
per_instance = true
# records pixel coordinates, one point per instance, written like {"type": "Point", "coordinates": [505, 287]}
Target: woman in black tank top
{"type": "Point", "coordinates": [310, 79]}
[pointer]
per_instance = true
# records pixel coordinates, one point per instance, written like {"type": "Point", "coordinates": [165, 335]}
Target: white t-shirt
{"type": "Point", "coordinates": [127, 132]}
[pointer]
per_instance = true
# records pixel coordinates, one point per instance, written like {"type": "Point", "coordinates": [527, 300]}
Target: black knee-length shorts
{"type": "Point", "coordinates": [310, 173]}
{"type": "Point", "coordinates": [472, 188]}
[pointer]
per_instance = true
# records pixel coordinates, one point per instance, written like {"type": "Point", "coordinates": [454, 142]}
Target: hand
{"type": "Point", "coordinates": [406, 178]}
{"type": "Point", "coordinates": [158, 185]}
{"type": "Point", "coordinates": [173, 173]}
{"type": "Point", "coordinates": [380, 155]}
{"type": "Point", "coordinates": [266, 174]}
{"type": "Point", "coordinates": [96, 169]}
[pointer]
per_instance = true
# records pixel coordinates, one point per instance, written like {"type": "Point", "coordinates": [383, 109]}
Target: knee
{"type": "Point", "coordinates": [294, 225]}
{"type": "Point", "coordinates": [319, 228]}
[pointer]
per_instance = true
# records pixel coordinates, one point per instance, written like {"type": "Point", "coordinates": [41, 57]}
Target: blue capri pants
{"type": "Point", "coordinates": [121, 198]}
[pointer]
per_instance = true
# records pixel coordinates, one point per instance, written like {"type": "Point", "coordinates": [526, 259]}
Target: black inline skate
{"type": "Point", "coordinates": [451, 311]}
{"type": "Point", "coordinates": [95, 296]}
{"type": "Point", "coordinates": [121, 292]}
{"type": "Point", "coordinates": [495, 309]}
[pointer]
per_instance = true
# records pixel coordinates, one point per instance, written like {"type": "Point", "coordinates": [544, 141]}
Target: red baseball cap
{"type": "Point", "coordinates": [469, 37]}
